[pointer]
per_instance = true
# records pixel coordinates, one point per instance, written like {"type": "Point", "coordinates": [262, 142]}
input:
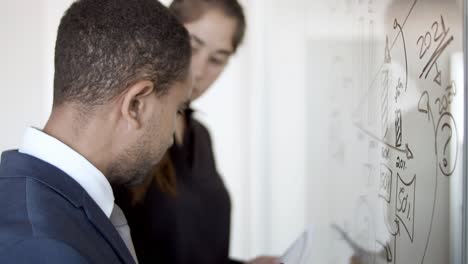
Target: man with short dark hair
{"type": "Point", "coordinates": [121, 78]}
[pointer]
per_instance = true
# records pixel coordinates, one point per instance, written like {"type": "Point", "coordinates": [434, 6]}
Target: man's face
{"type": "Point", "coordinates": [156, 137]}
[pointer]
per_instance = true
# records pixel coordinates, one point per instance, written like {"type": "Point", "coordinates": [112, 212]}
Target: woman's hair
{"type": "Point", "coordinates": [191, 10]}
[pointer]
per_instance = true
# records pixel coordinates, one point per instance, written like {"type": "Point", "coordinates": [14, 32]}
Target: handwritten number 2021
{"type": "Point", "coordinates": [425, 41]}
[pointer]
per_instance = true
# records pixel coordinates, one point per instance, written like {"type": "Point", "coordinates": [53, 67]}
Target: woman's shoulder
{"type": "Point", "coordinates": [199, 129]}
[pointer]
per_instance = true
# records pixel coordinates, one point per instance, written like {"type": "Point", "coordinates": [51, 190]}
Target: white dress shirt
{"type": "Point", "coordinates": [51, 150]}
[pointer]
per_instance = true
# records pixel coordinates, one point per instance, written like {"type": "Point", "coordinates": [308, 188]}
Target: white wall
{"type": "Point", "coordinates": [22, 69]}
{"type": "Point", "coordinates": [29, 30]}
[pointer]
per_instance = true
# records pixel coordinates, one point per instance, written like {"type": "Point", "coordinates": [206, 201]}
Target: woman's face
{"type": "Point", "coordinates": [211, 39]}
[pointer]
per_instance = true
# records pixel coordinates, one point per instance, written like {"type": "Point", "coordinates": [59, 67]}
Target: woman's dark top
{"type": "Point", "coordinates": [192, 226]}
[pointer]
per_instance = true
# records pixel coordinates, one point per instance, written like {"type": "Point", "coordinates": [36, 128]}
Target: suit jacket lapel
{"type": "Point", "coordinates": [107, 230]}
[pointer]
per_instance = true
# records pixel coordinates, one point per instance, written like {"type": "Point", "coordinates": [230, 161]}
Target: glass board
{"type": "Point", "coordinates": [391, 78]}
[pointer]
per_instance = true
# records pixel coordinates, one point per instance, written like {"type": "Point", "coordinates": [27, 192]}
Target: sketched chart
{"type": "Point", "coordinates": [405, 158]}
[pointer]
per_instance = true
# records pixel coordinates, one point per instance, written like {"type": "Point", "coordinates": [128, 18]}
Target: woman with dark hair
{"type": "Point", "coordinates": [182, 213]}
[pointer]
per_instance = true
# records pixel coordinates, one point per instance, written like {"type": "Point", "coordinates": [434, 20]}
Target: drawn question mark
{"type": "Point", "coordinates": [446, 125]}
{"type": "Point", "coordinates": [447, 122]}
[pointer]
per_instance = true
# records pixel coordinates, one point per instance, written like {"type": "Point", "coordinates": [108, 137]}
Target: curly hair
{"type": "Point", "coordinates": [105, 46]}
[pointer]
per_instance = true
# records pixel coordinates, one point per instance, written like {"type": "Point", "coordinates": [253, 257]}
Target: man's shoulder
{"type": "Point", "coordinates": [199, 129]}
{"type": "Point", "coordinates": [35, 217]}
{"type": "Point", "coordinates": [38, 185]}
{"type": "Point", "coordinates": [30, 209]}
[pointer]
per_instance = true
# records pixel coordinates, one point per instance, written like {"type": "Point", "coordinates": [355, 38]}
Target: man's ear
{"type": "Point", "coordinates": [135, 102]}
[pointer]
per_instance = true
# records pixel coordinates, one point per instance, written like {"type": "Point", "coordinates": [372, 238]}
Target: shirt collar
{"type": "Point", "coordinates": [51, 150]}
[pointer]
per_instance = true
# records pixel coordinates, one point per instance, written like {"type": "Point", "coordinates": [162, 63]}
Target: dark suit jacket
{"type": "Point", "coordinates": [47, 217]}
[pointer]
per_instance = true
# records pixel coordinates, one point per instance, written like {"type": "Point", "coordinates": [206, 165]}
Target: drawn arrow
{"type": "Point", "coordinates": [407, 151]}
